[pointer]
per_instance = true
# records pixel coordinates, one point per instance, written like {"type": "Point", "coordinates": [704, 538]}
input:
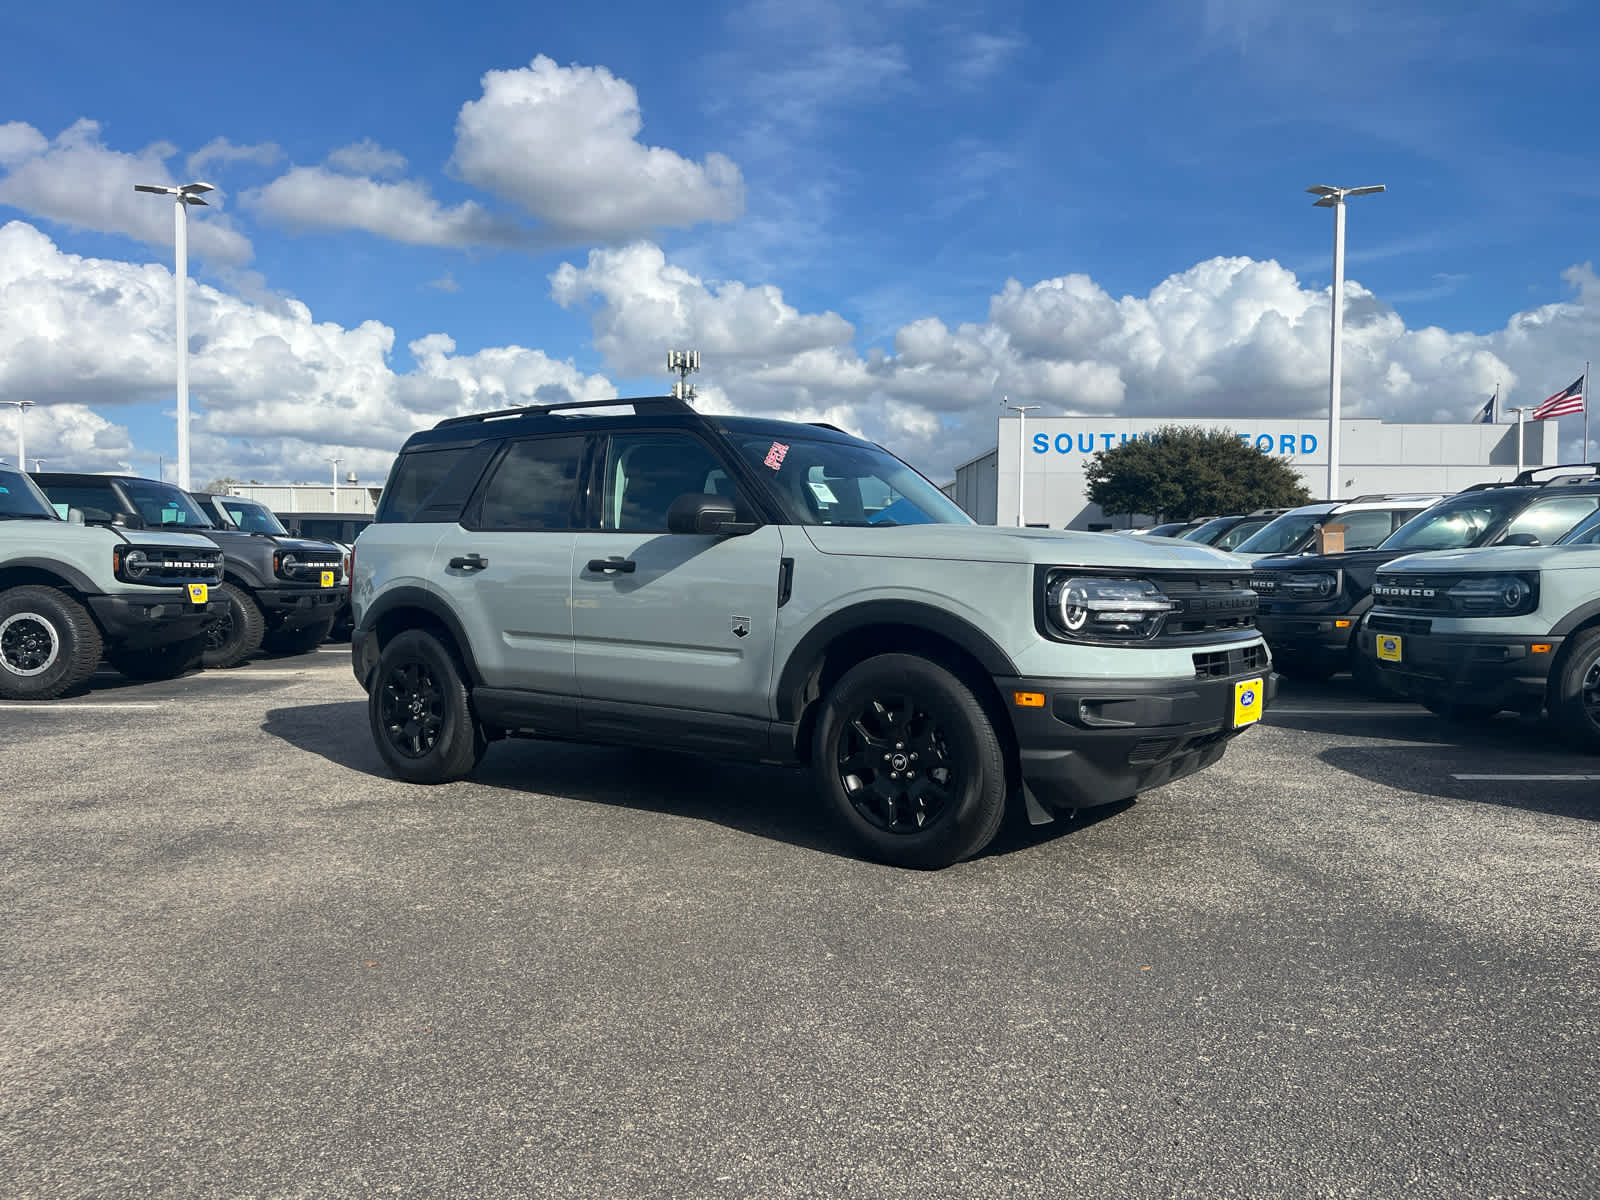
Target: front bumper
{"type": "Point", "coordinates": [1478, 669]}
{"type": "Point", "coordinates": [295, 608]}
{"type": "Point", "coordinates": [1096, 742]}
{"type": "Point", "coordinates": [1319, 638]}
{"type": "Point", "coordinates": [163, 616]}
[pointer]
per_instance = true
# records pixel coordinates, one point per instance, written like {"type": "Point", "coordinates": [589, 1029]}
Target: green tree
{"type": "Point", "coordinates": [1184, 471]}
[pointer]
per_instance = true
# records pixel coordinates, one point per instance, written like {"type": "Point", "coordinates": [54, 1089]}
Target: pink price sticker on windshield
{"type": "Point", "coordinates": [775, 455]}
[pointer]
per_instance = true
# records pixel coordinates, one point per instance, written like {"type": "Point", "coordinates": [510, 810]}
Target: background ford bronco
{"type": "Point", "coordinates": [786, 593]}
{"type": "Point", "coordinates": [70, 591]}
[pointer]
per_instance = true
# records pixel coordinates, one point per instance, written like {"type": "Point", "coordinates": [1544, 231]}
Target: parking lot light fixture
{"type": "Point", "coordinates": [1334, 197]}
{"type": "Point", "coordinates": [335, 462]}
{"type": "Point", "coordinates": [182, 197]}
{"type": "Point", "coordinates": [1022, 411]}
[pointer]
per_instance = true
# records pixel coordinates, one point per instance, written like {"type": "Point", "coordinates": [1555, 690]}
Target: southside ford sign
{"type": "Point", "coordinates": [1084, 443]}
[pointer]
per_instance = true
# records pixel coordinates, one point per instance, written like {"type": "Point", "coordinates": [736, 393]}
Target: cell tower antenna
{"type": "Point", "coordinates": [685, 363]}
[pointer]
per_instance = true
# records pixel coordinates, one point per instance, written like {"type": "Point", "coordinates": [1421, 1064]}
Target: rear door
{"type": "Point", "coordinates": [507, 566]}
{"type": "Point", "coordinates": [677, 620]}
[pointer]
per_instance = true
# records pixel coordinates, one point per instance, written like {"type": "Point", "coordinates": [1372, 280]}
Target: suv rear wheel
{"type": "Point", "coordinates": [48, 643]}
{"type": "Point", "coordinates": [420, 711]}
{"type": "Point", "coordinates": [907, 760]}
{"type": "Point", "coordinates": [1575, 691]}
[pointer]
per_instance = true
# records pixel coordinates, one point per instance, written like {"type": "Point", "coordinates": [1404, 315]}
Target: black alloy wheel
{"type": "Point", "coordinates": [896, 765]}
{"type": "Point", "coordinates": [220, 631]}
{"type": "Point", "coordinates": [906, 757]}
{"type": "Point", "coordinates": [420, 711]}
{"type": "Point", "coordinates": [234, 633]}
{"type": "Point", "coordinates": [28, 644]}
{"type": "Point", "coordinates": [411, 708]}
{"type": "Point", "coordinates": [1574, 694]}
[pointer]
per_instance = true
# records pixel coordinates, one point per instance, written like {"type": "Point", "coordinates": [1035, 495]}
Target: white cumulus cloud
{"type": "Point", "coordinates": [366, 157]}
{"type": "Point", "coordinates": [77, 180]}
{"type": "Point", "coordinates": [317, 198]}
{"type": "Point", "coordinates": [562, 143]}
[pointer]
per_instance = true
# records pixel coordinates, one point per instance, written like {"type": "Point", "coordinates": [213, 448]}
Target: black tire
{"type": "Point", "coordinates": [1456, 710]}
{"type": "Point", "coordinates": [295, 641]}
{"type": "Point", "coordinates": [421, 713]}
{"type": "Point", "coordinates": [906, 759]}
{"type": "Point", "coordinates": [158, 662]}
{"type": "Point", "coordinates": [1575, 691]}
{"type": "Point", "coordinates": [237, 634]}
{"type": "Point", "coordinates": [48, 643]}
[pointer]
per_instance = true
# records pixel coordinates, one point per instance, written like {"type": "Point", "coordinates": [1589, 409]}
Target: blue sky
{"type": "Point", "coordinates": [838, 197]}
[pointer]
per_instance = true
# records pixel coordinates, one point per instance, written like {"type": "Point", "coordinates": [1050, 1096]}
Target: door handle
{"type": "Point", "coordinates": [609, 566]}
{"type": "Point", "coordinates": [469, 562]}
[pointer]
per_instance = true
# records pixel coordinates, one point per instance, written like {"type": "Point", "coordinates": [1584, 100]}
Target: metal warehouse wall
{"type": "Point", "coordinates": [1374, 457]}
{"type": "Point", "coordinates": [305, 497]}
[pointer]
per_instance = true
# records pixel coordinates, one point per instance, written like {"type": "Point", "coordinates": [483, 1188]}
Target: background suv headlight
{"type": "Point", "coordinates": [135, 564]}
{"type": "Point", "coordinates": [1494, 595]}
{"type": "Point", "coordinates": [1085, 606]}
{"type": "Point", "coordinates": [1310, 585]}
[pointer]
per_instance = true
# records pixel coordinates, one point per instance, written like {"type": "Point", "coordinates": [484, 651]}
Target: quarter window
{"type": "Point", "coordinates": [535, 486]}
{"type": "Point", "coordinates": [415, 476]}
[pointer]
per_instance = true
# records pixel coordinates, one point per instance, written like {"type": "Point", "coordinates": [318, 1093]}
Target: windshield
{"type": "Point", "coordinates": [250, 516]}
{"type": "Point", "coordinates": [832, 483]}
{"type": "Point", "coordinates": [1486, 518]}
{"type": "Point", "coordinates": [1283, 535]}
{"type": "Point", "coordinates": [1211, 530]}
{"type": "Point", "coordinates": [21, 499]}
{"type": "Point", "coordinates": [163, 504]}
{"type": "Point", "coordinates": [1585, 533]}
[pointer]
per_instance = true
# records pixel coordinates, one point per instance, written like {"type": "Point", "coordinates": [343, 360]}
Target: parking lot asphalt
{"type": "Point", "coordinates": [1357, 958]}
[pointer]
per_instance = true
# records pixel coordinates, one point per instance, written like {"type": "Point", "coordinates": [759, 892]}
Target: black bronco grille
{"type": "Point", "coordinates": [1414, 593]}
{"type": "Point", "coordinates": [1205, 604]}
{"type": "Point", "coordinates": [180, 565]}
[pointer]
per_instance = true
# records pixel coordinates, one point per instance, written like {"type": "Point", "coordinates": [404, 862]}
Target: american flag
{"type": "Point", "coordinates": [1568, 400]}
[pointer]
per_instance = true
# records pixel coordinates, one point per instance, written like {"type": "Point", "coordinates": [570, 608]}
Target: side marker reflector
{"type": "Point", "coordinates": [1028, 699]}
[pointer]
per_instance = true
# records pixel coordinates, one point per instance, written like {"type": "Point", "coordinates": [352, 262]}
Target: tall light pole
{"type": "Point", "coordinates": [182, 198]}
{"type": "Point", "coordinates": [335, 462]}
{"type": "Point", "coordinates": [1333, 197]}
{"type": "Point", "coordinates": [1519, 412]}
{"type": "Point", "coordinates": [22, 406]}
{"type": "Point", "coordinates": [1022, 411]}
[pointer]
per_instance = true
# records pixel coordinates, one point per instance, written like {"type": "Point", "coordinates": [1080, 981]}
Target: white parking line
{"type": "Point", "coordinates": [1528, 778]}
{"type": "Point", "coordinates": [92, 707]}
{"type": "Point", "coordinates": [1355, 710]}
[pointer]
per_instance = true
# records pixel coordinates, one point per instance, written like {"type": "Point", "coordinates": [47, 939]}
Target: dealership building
{"type": "Point", "coordinates": [1374, 456]}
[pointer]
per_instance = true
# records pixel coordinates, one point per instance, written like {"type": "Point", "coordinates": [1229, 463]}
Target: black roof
{"type": "Point", "coordinates": [657, 411]}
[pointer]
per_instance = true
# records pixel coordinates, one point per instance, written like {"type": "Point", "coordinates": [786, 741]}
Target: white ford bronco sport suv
{"type": "Point", "coordinates": [1471, 632]}
{"type": "Point", "coordinates": [70, 591]}
{"type": "Point", "coordinates": [636, 572]}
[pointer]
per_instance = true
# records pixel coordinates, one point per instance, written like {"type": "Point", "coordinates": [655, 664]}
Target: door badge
{"type": "Point", "coordinates": [741, 627]}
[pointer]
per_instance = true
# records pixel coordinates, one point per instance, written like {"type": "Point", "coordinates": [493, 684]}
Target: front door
{"type": "Point", "coordinates": [678, 620]}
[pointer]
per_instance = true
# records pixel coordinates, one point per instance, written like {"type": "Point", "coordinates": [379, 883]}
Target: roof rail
{"type": "Point", "coordinates": [826, 425]}
{"type": "Point", "coordinates": [1389, 496]}
{"type": "Point", "coordinates": [642, 403]}
{"type": "Point", "coordinates": [1527, 476]}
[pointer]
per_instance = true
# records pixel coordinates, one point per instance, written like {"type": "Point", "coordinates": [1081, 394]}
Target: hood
{"type": "Point", "coordinates": [167, 537]}
{"type": "Point", "coordinates": [1007, 544]}
{"type": "Point", "coordinates": [1370, 559]}
{"type": "Point", "coordinates": [303, 545]}
{"type": "Point", "coordinates": [1498, 558]}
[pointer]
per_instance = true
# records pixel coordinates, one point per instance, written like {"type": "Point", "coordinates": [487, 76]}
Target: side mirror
{"type": "Point", "coordinates": [93, 516]}
{"type": "Point", "coordinates": [701, 512]}
{"type": "Point", "coordinates": [128, 520]}
{"type": "Point", "coordinates": [1520, 539]}
{"type": "Point", "coordinates": [75, 515]}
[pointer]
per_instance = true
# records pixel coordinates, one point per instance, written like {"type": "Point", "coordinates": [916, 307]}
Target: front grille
{"type": "Point", "coordinates": [1219, 664]}
{"type": "Point", "coordinates": [1379, 623]}
{"type": "Point", "coordinates": [177, 566]}
{"type": "Point", "coordinates": [1206, 604]}
{"type": "Point", "coordinates": [1414, 593]}
{"type": "Point", "coordinates": [309, 568]}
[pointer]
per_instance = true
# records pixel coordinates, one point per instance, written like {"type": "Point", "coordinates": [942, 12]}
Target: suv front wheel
{"type": "Point", "coordinates": [420, 712]}
{"type": "Point", "coordinates": [48, 644]}
{"type": "Point", "coordinates": [1575, 692]}
{"type": "Point", "coordinates": [237, 633]}
{"type": "Point", "coordinates": [908, 761]}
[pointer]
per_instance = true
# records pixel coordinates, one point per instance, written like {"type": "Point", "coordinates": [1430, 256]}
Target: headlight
{"type": "Point", "coordinates": [1495, 595]}
{"type": "Point", "coordinates": [284, 564]}
{"type": "Point", "coordinates": [1116, 608]}
{"type": "Point", "coordinates": [1311, 585]}
{"type": "Point", "coordinates": [136, 564]}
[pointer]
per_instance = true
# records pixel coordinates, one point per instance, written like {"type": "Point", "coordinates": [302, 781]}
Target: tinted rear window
{"type": "Point", "coordinates": [414, 478]}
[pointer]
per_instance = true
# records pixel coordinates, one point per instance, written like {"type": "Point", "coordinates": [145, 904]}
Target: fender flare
{"type": "Point", "coordinates": [72, 575]}
{"type": "Point", "coordinates": [810, 651]}
{"type": "Point", "coordinates": [1578, 616]}
{"type": "Point", "coordinates": [430, 603]}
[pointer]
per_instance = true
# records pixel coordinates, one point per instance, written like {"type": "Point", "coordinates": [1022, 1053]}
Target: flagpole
{"type": "Point", "coordinates": [1586, 457]}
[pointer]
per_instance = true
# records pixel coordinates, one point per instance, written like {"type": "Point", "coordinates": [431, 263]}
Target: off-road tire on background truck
{"type": "Point", "coordinates": [48, 643]}
{"type": "Point", "coordinates": [237, 635]}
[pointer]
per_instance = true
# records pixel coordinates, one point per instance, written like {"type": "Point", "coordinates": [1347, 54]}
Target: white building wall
{"type": "Point", "coordinates": [1375, 456]}
{"type": "Point", "coordinates": [306, 497]}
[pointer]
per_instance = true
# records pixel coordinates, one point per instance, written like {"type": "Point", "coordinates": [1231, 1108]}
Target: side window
{"type": "Point", "coordinates": [646, 472]}
{"type": "Point", "coordinates": [65, 495]}
{"type": "Point", "coordinates": [328, 531]}
{"type": "Point", "coordinates": [534, 486]}
{"type": "Point", "coordinates": [1549, 519]}
{"type": "Point", "coordinates": [1364, 530]}
{"type": "Point", "coordinates": [414, 478]}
